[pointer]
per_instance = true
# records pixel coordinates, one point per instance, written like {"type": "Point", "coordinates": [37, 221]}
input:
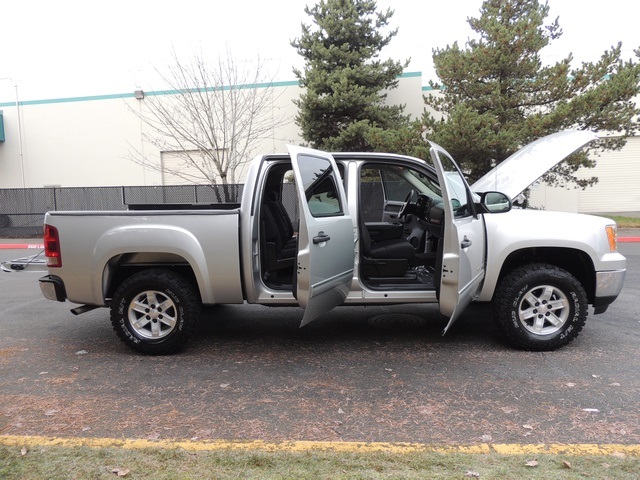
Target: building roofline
{"type": "Point", "coordinates": [93, 98]}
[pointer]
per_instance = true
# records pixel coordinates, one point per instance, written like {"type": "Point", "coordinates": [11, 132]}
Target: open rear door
{"type": "Point", "coordinates": [324, 266]}
{"type": "Point", "coordinates": [463, 252]}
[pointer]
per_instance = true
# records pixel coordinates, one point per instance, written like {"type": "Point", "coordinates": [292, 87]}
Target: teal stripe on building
{"type": "Point", "coordinates": [93, 98]}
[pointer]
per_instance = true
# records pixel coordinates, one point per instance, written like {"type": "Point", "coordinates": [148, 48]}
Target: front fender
{"type": "Point", "coordinates": [532, 230]}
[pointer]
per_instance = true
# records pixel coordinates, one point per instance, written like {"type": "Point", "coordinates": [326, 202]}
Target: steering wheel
{"type": "Point", "coordinates": [407, 202]}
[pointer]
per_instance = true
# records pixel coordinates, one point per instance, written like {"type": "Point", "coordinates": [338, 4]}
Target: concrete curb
{"type": "Point", "coordinates": [21, 246]}
{"type": "Point", "coordinates": [579, 449]}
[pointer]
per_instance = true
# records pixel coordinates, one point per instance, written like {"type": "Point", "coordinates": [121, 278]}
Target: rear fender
{"type": "Point", "coordinates": [161, 239]}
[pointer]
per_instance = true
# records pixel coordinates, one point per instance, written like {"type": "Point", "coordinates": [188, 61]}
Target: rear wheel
{"type": "Point", "coordinates": [155, 311]}
{"type": "Point", "coordinates": [540, 307]}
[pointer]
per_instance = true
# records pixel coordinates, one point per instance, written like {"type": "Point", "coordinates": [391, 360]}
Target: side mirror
{"type": "Point", "coordinates": [495, 202]}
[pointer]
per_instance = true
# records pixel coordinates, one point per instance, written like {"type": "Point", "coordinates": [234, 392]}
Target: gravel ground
{"type": "Point", "coordinates": [361, 374]}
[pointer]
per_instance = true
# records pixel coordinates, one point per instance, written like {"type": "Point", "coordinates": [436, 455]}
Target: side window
{"type": "Point", "coordinates": [384, 185]}
{"type": "Point", "coordinates": [320, 186]}
{"type": "Point", "coordinates": [456, 187]}
{"type": "Point", "coordinates": [396, 188]}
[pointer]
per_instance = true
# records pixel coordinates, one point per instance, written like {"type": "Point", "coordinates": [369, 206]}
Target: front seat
{"type": "Point", "coordinates": [384, 258]}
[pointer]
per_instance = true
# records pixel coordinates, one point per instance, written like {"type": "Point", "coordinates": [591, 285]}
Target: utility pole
{"type": "Point", "coordinates": [20, 152]}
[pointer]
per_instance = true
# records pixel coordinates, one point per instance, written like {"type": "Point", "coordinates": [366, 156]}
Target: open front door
{"type": "Point", "coordinates": [324, 265]}
{"type": "Point", "coordinates": [463, 255]}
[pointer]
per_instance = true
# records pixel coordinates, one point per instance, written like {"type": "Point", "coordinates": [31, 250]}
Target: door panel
{"type": "Point", "coordinates": [463, 261]}
{"type": "Point", "coordinates": [391, 211]}
{"type": "Point", "coordinates": [324, 264]}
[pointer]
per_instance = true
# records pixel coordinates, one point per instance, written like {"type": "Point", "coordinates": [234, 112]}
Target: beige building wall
{"type": "Point", "coordinates": [89, 141]}
{"type": "Point", "coordinates": [92, 141]}
{"type": "Point", "coordinates": [617, 190]}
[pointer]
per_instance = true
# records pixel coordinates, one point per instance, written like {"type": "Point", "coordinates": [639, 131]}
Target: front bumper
{"type": "Point", "coordinates": [52, 288]}
{"type": "Point", "coordinates": [608, 287]}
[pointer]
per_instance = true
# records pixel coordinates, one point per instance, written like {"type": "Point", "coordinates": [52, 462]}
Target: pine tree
{"type": "Point", "coordinates": [343, 77]}
{"type": "Point", "coordinates": [498, 95]}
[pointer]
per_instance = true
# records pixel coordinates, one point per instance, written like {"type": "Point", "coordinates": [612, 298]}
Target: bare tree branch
{"type": "Point", "coordinates": [212, 116]}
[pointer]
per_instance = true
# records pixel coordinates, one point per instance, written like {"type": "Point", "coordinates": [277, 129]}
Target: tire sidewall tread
{"type": "Point", "coordinates": [174, 286]}
{"type": "Point", "coordinates": [516, 284]}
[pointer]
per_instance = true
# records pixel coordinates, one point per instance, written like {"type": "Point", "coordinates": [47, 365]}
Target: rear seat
{"type": "Point", "coordinates": [280, 241]}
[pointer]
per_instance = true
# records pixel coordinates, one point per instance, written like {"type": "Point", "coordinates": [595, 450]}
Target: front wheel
{"type": "Point", "coordinates": [155, 311]}
{"type": "Point", "coordinates": [540, 307]}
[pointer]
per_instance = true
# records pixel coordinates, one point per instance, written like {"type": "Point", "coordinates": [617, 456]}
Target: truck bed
{"type": "Point", "coordinates": [96, 247]}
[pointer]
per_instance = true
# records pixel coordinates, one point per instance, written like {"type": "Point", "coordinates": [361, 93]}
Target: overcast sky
{"type": "Point", "coordinates": [68, 48]}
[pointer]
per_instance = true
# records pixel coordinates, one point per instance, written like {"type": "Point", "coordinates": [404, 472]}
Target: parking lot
{"type": "Point", "coordinates": [358, 373]}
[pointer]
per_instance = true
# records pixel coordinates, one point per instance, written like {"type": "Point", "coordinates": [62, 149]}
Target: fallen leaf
{"type": "Point", "coordinates": [531, 463]}
{"type": "Point", "coordinates": [23, 451]}
{"type": "Point", "coordinates": [528, 427]}
{"type": "Point", "coordinates": [471, 474]}
{"type": "Point", "coordinates": [566, 464]}
{"type": "Point", "coordinates": [224, 385]}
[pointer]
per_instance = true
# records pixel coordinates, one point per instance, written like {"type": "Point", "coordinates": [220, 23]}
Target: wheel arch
{"type": "Point", "coordinates": [122, 266]}
{"type": "Point", "coordinates": [576, 262]}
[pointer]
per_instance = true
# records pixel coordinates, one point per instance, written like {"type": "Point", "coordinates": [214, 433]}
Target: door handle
{"type": "Point", "coordinates": [320, 238]}
{"type": "Point", "coordinates": [466, 243]}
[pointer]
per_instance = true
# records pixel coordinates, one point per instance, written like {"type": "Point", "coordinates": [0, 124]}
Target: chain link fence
{"type": "Point", "coordinates": [22, 209]}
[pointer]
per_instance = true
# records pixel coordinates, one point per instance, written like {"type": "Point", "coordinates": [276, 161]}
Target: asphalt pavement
{"type": "Point", "coordinates": [356, 374]}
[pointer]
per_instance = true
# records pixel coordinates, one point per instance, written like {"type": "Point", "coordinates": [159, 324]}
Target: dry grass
{"type": "Point", "coordinates": [86, 462]}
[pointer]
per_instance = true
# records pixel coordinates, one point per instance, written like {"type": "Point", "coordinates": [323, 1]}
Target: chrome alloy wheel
{"type": "Point", "coordinates": [544, 310]}
{"type": "Point", "coordinates": [152, 314]}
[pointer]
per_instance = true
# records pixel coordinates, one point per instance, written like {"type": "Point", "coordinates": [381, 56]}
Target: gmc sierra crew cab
{"type": "Point", "coordinates": [365, 228]}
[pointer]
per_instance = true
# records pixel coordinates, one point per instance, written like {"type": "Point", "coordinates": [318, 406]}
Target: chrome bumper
{"type": "Point", "coordinates": [52, 288]}
{"type": "Point", "coordinates": [608, 287]}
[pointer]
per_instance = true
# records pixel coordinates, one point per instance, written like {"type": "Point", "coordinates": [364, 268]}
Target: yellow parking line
{"type": "Point", "coordinates": [305, 446]}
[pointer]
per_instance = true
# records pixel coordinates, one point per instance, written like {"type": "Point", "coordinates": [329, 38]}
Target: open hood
{"type": "Point", "coordinates": [529, 163]}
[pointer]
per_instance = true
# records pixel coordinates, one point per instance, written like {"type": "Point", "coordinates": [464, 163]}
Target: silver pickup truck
{"type": "Point", "coordinates": [367, 228]}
